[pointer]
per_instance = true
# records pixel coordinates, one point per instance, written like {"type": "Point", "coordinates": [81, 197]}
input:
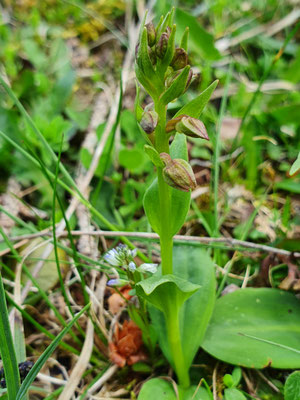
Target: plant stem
{"type": "Point", "coordinates": [166, 240]}
{"type": "Point", "coordinates": [174, 339]}
{"type": "Point", "coordinates": [166, 249]}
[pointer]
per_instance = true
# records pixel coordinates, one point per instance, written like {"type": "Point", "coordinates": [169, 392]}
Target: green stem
{"type": "Point", "coordinates": [166, 240]}
{"type": "Point", "coordinates": [166, 249]}
{"type": "Point", "coordinates": [174, 339]}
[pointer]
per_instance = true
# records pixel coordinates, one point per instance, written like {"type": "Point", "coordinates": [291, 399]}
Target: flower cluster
{"type": "Point", "coordinates": [123, 257]}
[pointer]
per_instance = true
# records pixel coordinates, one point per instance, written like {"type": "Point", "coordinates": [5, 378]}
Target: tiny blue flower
{"type": "Point", "coordinates": [117, 282]}
{"type": "Point", "coordinates": [151, 268]}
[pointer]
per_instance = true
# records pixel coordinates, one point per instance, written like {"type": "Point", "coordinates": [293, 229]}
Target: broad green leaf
{"type": "Point", "coordinates": [192, 264]}
{"type": "Point", "coordinates": [195, 107]}
{"type": "Point", "coordinates": [132, 159]}
{"type": "Point", "coordinates": [180, 201]}
{"type": "Point", "coordinates": [161, 389]}
{"type": "Point", "coordinates": [296, 166]}
{"type": "Point", "coordinates": [233, 394]}
{"type": "Point", "coordinates": [200, 41]}
{"type": "Point", "coordinates": [166, 292]}
{"type": "Point", "coordinates": [151, 206]}
{"type": "Point", "coordinates": [48, 275]}
{"type": "Point", "coordinates": [292, 387]}
{"type": "Point", "coordinates": [157, 389]}
{"type": "Point", "coordinates": [256, 328]}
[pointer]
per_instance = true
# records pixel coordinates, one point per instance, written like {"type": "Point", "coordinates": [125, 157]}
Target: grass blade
{"type": "Point", "coordinates": [44, 357]}
{"type": "Point", "coordinates": [37, 132]}
{"type": "Point", "coordinates": [92, 209]}
{"type": "Point", "coordinates": [7, 349]}
{"type": "Point", "coordinates": [216, 161]}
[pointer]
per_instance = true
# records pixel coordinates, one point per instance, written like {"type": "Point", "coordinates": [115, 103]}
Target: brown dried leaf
{"type": "Point", "coordinates": [127, 346]}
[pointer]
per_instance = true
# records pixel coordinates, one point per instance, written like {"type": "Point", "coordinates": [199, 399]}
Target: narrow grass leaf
{"type": "Point", "coordinates": [7, 350]}
{"type": "Point", "coordinates": [44, 357]}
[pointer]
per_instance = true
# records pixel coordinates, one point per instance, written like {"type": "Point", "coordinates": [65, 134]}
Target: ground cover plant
{"type": "Point", "coordinates": [116, 122]}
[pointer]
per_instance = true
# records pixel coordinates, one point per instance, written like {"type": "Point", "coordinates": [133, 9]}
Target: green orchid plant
{"type": "Point", "coordinates": [180, 295]}
{"type": "Point", "coordinates": [164, 72]}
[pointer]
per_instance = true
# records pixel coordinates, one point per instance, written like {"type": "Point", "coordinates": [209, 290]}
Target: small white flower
{"type": "Point", "coordinates": [112, 258]}
{"type": "Point", "coordinates": [133, 253]}
{"type": "Point", "coordinates": [131, 266]}
{"type": "Point", "coordinates": [121, 256]}
{"type": "Point", "coordinates": [151, 268]}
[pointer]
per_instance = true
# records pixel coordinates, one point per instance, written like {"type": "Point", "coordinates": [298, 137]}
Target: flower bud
{"type": "Point", "coordinates": [162, 45]}
{"type": "Point", "coordinates": [180, 59]}
{"type": "Point", "coordinates": [148, 267]}
{"type": "Point", "coordinates": [189, 80]}
{"type": "Point", "coordinates": [117, 282]}
{"type": "Point", "coordinates": [178, 173]}
{"type": "Point", "coordinates": [173, 75]}
{"type": "Point", "coordinates": [132, 266]}
{"type": "Point", "coordinates": [151, 33]}
{"type": "Point", "coordinates": [192, 127]}
{"type": "Point", "coordinates": [149, 121]}
{"type": "Point", "coordinates": [171, 125]}
{"type": "Point", "coordinates": [152, 55]}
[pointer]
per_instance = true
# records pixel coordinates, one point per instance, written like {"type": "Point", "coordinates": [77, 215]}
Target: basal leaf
{"type": "Point", "coordinates": [292, 387]}
{"type": "Point", "coordinates": [157, 389]}
{"type": "Point", "coordinates": [163, 390]}
{"type": "Point", "coordinates": [233, 394]}
{"type": "Point", "coordinates": [256, 328]}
